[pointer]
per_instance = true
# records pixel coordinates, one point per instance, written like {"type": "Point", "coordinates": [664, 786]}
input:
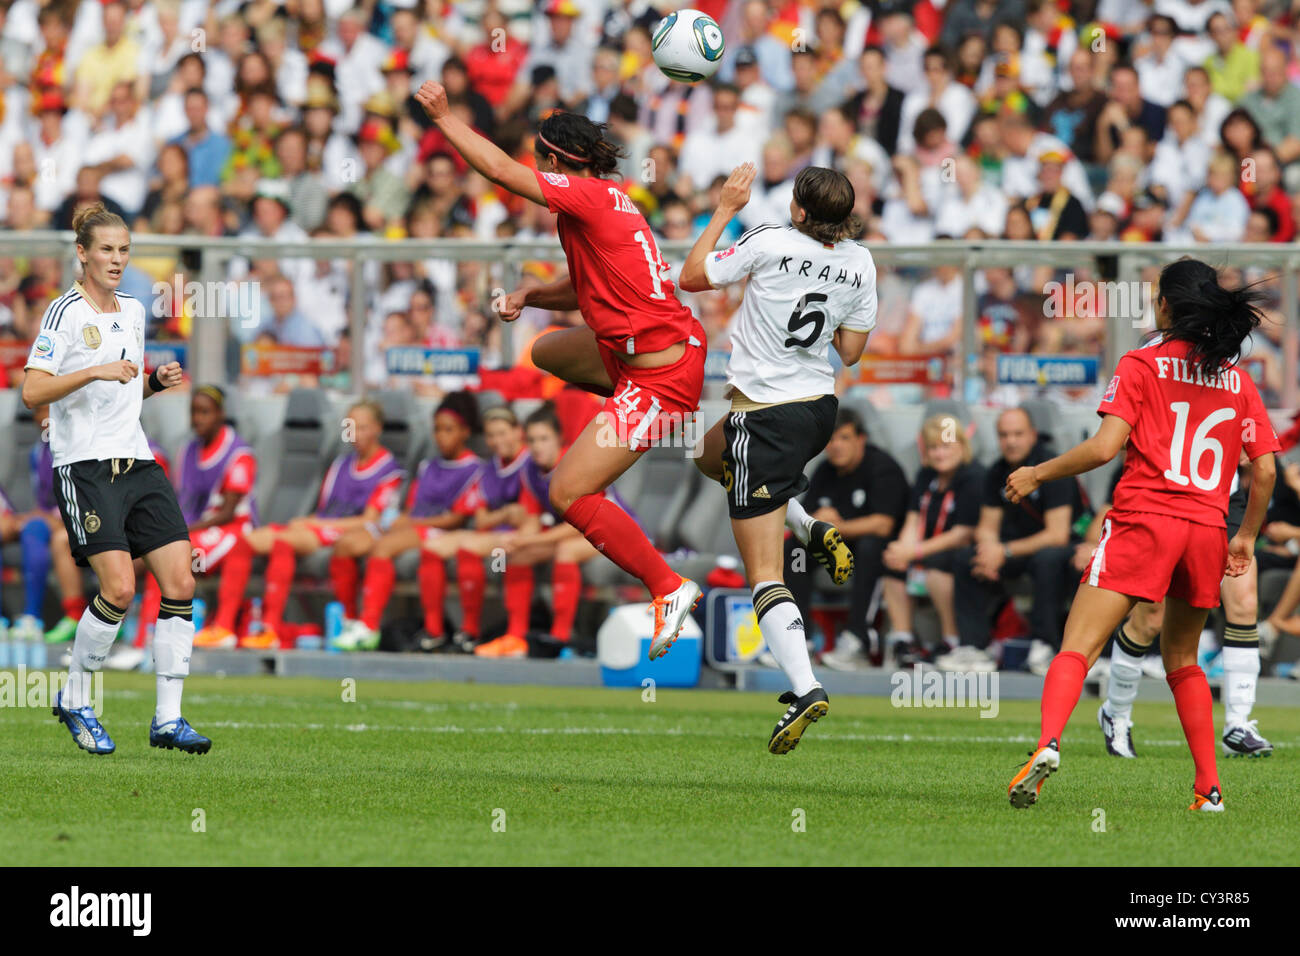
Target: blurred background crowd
{"type": "Point", "coordinates": [1114, 120]}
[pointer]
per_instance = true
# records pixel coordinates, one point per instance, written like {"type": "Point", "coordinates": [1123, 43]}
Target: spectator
{"type": "Point", "coordinates": [707, 154]}
{"type": "Point", "coordinates": [1160, 71]}
{"type": "Point", "coordinates": [772, 55]}
{"type": "Point", "coordinates": [942, 513]}
{"type": "Point", "coordinates": [970, 203]}
{"type": "Point", "coordinates": [1126, 107]}
{"type": "Point", "coordinates": [904, 46]}
{"type": "Point", "coordinates": [757, 99]}
{"type": "Point", "coordinates": [308, 197]}
{"type": "Point", "coordinates": [605, 86]}
{"type": "Point", "coordinates": [103, 66]}
{"type": "Point", "coordinates": [493, 65]}
{"type": "Point", "coordinates": [283, 321]}
{"type": "Point", "coordinates": [861, 490]}
{"type": "Point", "coordinates": [1234, 67]}
{"type": "Point", "coordinates": [1030, 539]}
{"type": "Point", "coordinates": [940, 92]}
{"type": "Point", "coordinates": [87, 193]}
{"type": "Point", "coordinates": [206, 150]}
{"type": "Point", "coordinates": [1211, 109]}
{"type": "Point", "coordinates": [55, 152]}
{"type": "Point", "coordinates": [877, 110]}
{"type": "Point", "coordinates": [962, 18]}
{"type": "Point", "coordinates": [1054, 212]}
{"type": "Point", "coordinates": [1072, 116]}
{"type": "Point", "coordinates": [1219, 211]}
{"type": "Point", "coordinates": [1264, 191]}
{"type": "Point", "coordinates": [1275, 106]}
{"type": "Point", "coordinates": [565, 50]}
{"type": "Point", "coordinates": [383, 195]}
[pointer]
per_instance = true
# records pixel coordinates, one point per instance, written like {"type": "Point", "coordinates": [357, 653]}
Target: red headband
{"type": "Point", "coordinates": [566, 155]}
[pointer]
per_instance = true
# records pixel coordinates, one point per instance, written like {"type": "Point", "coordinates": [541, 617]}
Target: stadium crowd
{"type": "Point", "coordinates": [1119, 120]}
{"type": "Point", "coordinates": [1115, 120]}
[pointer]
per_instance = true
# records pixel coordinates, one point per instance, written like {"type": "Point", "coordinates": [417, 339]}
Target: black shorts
{"type": "Point", "coordinates": [135, 510]}
{"type": "Point", "coordinates": [767, 450]}
{"type": "Point", "coordinates": [1237, 510]}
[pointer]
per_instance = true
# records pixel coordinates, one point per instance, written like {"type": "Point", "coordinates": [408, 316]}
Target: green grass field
{"type": "Point", "coordinates": [417, 774]}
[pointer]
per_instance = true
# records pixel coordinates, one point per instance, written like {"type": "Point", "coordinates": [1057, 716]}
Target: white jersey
{"type": "Point", "coordinates": [100, 420]}
{"type": "Point", "coordinates": [800, 291]}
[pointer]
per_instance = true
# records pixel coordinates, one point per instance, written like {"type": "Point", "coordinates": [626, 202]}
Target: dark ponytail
{"type": "Point", "coordinates": [1215, 321]}
{"type": "Point", "coordinates": [464, 406]}
{"type": "Point", "coordinates": [578, 143]}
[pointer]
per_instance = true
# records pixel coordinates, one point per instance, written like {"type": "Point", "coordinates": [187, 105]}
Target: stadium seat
{"type": "Point", "coordinates": [166, 421]}
{"type": "Point", "coordinates": [399, 416]}
{"type": "Point", "coordinates": [290, 478]}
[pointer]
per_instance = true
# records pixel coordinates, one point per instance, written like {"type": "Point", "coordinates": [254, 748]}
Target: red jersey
{"type": "Point", "coordinates": [614, 263]}
{"type": "Point", "coordinates": [1188, 432]}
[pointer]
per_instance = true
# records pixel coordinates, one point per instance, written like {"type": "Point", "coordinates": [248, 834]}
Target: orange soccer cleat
{"type": "Point", "coordinates": [1025, 785]}
{"type": "Point", "coordinates": [670, 612]}
{"type": "Point", "coordinates": [1209, 803]}
{"type": "Point", "coordinates": [213, 637]}
{"type": "Point", "coordinates": [507, 645]}
{"type": "Point", "coordinates": [268, 640]}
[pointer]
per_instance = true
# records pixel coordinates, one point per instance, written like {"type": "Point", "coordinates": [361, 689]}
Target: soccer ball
{"type": "Point", "coordinates": [688, 46]}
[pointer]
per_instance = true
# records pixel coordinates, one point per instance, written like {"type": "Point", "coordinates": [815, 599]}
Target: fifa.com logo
{"type": "Point", "coordinates": [39, 689]}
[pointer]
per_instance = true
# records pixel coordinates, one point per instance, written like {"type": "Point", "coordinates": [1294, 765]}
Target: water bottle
{"type": "Point", "coordinates": [6, 648]}
{"type": "Point", "coordinates": [333, 625]}
{"type": "Point", "coordinates": [37, 659]}
{"type": "Point", "coordinates": [255, 618]}
{"type": "Point", "coordinates": [199, 613]}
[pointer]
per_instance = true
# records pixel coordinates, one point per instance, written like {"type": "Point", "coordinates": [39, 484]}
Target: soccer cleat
{"type": "Point", "coordinates": [1209, 803]}
{"type": "Point", "coordinates": [1026, 785]}
{"type": "Point", "coordinates": [1118, 732]}
{"type": "Point", "coordinates": [428, 643]}
{"type": "Point", "coordinates": [178, 735]}
{"type": "Point", "coordinates": [828, 547]}
{"type": "Point", "coordinates": [214, 637]}
{"type": "Point", "coordinates": [1245, 741]}
{"type": "Point", "coordinates": [356, 636]}
{"type": "Point", "coordinates": [805, 710]}
{"type": "Point", "coordinates": [507, 645]}
{"type": "Point", "coordinates": [267, 640]}
{"type": "Point", "coordinates": [85, 727]}
{"type": "Point", "coordinates": [64, 631]}
{"type": "Point", "coordinates": [670, 614]}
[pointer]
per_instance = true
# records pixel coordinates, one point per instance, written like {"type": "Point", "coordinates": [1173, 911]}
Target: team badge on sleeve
{"type": "Point", "coordinates": [1111, 390]}
{"type": "Point", "coordinates": [719, 256]}
{"type": "Point", "coordinates": [44, 346]}
{"type": "Point", "coordinates": [91, 334]}
{"type": "Point", "coordinates": [556, 179]}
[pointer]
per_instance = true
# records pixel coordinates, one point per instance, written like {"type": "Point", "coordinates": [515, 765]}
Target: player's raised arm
{"type": "Point", "coordinates": [735, 196]}
{"type": "Point", "coordinates": [481, 153]}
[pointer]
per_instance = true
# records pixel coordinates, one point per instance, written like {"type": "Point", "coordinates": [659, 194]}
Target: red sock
{"type": "Point", "coordinates": [150, 601]}
{"type": "Point", "coordinates": [519, 598]}
{"type": "Point", "coordinates": [613, 532]}
{"type": "Point", "coordinates": [235, 570]}
{"type": "Point", "coordinates": [343, 578]}
{"type": "Point", "coordinates": [566, 588]}
{"type": "Point", "coordinates": [471, 577]}
{"type": "Point", "coordinates": [1061, 690]}
{"type": "Point", "coordinates": [74, 607]}
{"type": "Point", "coordinates": [380, 575]}
{"type": "Point", "coordinates": [279, 577]}
{"type": "Point", "coordinates": [433, 586]}
{"type": "Point", "coordinates": [1196, 713]}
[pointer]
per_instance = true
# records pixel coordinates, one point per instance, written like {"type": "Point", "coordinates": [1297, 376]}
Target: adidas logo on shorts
{"type": "Point", "coordinates": [762, 493]}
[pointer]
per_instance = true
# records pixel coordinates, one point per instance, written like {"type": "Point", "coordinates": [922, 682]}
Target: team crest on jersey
{"type": "Point", "coordinates": [556, 179]}
{"type": "Point", "coordinates": [724, 253]}
{"type": "Point", "coordinates": [91, 334]}
{"type": "Point", "coordinates": [92, 523]}
{"type": "Point", "coordinates": [1111, 390]}
{"type": "Point", "coordinates": [44, 346]}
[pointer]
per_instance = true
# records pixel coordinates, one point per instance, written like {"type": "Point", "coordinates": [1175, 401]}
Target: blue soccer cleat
{"type": "Point", "coordinates": [85, 727]}
{"type": "Point", "coordinates": [178, 735]}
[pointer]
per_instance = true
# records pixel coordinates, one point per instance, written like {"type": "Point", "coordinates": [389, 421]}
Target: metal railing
{"type": "Point", "coordinates": [1123, 331]}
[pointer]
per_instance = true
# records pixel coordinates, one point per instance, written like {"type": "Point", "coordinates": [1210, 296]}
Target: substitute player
{"type": "Point", "coordinates": [641, 346]}
{"type": "Point", "coordinates": [1133, 639]}
{"type": "Point", "coordinates": [115, 501]}
{"type": "Point", "coordinates": [215, 486]}
{"type": "Point", "coordinates": [1186, 412]}
{"type": "Point", "coordinates": [810, 287]}
{"type": "Point", "coordinates": [442, 496]}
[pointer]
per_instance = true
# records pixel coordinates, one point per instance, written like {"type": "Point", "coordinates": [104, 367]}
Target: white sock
{"type": "Point", "coordinates": [798, 520]}
{"type": "Point", "coordinates": [898, 637]}
{"type": "Point", "coordinates": [94, 639]}
{"type": "Point", "coordinates": [173, 640]}
{"type": "Point", "coordinates": [782, 627]}
{"type": "Point", "coordinates": [1125, 675]}
{"type": "Point", "coordinates": [1240, 675]}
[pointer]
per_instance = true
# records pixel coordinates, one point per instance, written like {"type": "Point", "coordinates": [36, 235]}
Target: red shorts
{"type": "Point", "coordinates": [1149, 556]}
{"type": "Point", "coordinates": [214, 543]}
{"type": "Point", "coordinates": [648, 402]}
